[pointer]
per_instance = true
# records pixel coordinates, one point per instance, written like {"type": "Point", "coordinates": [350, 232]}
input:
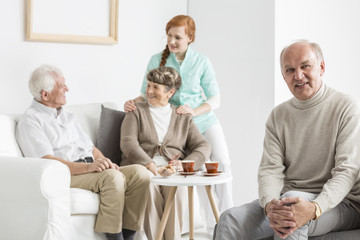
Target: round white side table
{"type": "Point", "coordinates": [190, 181]}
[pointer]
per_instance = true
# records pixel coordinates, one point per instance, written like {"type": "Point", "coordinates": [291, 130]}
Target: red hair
{"type": "Point", "coordinates": [179, 21]}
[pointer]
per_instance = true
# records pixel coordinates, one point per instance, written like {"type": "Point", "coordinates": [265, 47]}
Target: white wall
{"type": "Point", "coordinates": [334, 24]}
{"type": "Point", "coordinates": [238, 37]}
{"type": "Point", "coordinates": [94, 73]}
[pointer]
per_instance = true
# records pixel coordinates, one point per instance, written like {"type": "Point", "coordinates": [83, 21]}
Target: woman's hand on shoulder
{"type": "Point", "coordinates": [129, 106]}
{"type": "Point", "coordinates": [185, 109]}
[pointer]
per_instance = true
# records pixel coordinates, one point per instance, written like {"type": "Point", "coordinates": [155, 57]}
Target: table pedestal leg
{"type": "Point", "coordinates": [166, 212]}
{"type": "Point", "coordinates": [191, 212]}
{"type": "Point", "coordinates": [212, 202]}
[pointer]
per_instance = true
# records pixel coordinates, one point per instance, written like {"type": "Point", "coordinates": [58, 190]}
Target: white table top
{"type": "Point", "coordinates": [191, 180]}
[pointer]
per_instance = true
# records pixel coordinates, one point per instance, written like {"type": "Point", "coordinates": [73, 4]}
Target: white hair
{"type": "Point", "coordinates": [315, 47]}
{"type": "Point", "coordinates": [43, 79]}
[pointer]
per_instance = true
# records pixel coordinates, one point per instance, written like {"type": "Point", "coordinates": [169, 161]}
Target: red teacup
{"type": "Point", "coordinates": [211, 167]}
{"type": "Point", "coordinates": [188, 165]}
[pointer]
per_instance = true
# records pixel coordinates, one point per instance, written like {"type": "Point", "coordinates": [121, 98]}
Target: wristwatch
{"type": "Point", "coordinates": [317, 210]}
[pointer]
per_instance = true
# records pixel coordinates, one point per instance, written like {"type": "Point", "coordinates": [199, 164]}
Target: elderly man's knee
{"type": "Point", "coordinates": [139, 173]}
{"type": "Point", "coordinates": [230, 216]}
{"type": "Point", "coordinates": [229, 224]}
{"type": "Point", "coordinates": [246, 214]}
{"type": "Point", "coordinates": [229, 213]}
{"type": "Point", "coordinates": [113, 179]}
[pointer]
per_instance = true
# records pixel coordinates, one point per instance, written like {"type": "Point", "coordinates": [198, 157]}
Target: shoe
{"type": "Point", "coordinates": [128, 234]}
{"type": "Point", "coordinates": [114, 236]}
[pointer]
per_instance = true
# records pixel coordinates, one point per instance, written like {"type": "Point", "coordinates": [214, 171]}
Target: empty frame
{"type": "Point", "coordinates": [73, 21]}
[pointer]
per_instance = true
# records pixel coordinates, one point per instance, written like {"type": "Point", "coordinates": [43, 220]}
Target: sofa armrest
{"type": "Point", "coordinates": [35, 199]}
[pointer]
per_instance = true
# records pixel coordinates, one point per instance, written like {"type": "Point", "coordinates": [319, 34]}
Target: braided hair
{"type": "Point", "coordinates": [165, 54]}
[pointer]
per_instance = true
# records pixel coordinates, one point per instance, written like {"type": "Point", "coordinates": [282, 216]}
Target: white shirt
{"type": "Point", "coordinates": [161, 117]}
{"type": "Point", "coordinates": [42, 131]}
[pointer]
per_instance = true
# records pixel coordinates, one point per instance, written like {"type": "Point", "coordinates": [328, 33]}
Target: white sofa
{"type": "Point", "coordinates": [36, 201]}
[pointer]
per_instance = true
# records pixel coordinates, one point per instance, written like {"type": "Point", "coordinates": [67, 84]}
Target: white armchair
{"type": "Point", "coordinates": [36, 201]}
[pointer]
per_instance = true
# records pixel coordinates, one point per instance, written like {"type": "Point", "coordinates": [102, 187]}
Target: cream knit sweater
{"type": "Point", "coordinates": [313, 146]}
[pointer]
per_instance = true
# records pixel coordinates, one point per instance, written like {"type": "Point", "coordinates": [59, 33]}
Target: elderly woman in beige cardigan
{"type": "Point", "coordinates": [154, 133]}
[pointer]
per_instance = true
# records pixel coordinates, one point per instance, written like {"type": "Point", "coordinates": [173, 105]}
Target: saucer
{"type": "Point", "coordinates": [211, 174]}
{"type": "Point", "coordinates": [187, 173]}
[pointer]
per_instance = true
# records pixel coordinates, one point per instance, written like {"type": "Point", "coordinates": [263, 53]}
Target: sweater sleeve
{"type": "Point", "coordinates": [346, 169]}
{"type": "Point", "coordinates": [129, 143]}
{"type": "Point", "coordinates": [271, 169]}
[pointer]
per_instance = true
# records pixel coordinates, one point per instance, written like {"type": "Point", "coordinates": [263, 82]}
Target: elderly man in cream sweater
{"type": "Point", "coordinates": [309, 173]}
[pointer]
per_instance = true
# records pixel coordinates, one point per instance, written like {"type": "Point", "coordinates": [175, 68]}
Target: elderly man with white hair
{"type": "Point", "coordinates": [47, 131]}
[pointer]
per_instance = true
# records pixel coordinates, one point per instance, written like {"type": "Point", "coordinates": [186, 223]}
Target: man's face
{"type": "Point", "coordinates": [56, 98]}
{"type": "Point", "coordinates": [302, 71]}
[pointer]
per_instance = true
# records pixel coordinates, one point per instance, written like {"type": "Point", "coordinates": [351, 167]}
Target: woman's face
{"type": "Point", "coordinates": [157, 94]}
{"type": "Point", "coordinates": [178, 40]}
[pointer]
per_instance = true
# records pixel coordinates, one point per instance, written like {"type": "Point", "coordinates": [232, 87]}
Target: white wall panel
{"type": "Point", "coordinates": [238, 37]}
{"type": "Point", "coordinates": [334, 24]}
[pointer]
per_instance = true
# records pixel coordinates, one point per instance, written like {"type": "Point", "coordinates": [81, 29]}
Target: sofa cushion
{"type": "Point", "coordinates": [8, 144]}
{"type": "Point", "coordinates": [108, 137]}
{"type": "Point", "coordinates": [83, 201]}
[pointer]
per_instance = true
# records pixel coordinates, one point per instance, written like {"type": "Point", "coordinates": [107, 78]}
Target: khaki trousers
{"type": "Point", "coordinates": [123, 196]}
{"type": "Point", "coordinates": [158, 196]}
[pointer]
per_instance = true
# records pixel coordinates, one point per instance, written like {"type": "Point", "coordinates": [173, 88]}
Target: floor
{"type": "Point", "coordinates": [200, 234]}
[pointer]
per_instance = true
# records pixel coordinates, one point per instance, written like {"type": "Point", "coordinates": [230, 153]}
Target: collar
{"type": "Point", "coordinates": [53, 112]}
{"type": "Point", "coordinates": [188, 54]}
{"type": "Point", "coordinates": [160, 108]}
{"type": "Point", "coordinates": [316, 99]}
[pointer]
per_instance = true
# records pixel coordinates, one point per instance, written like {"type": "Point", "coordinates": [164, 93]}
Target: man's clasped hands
{"type": "Point", "coordinates": [288, 214]}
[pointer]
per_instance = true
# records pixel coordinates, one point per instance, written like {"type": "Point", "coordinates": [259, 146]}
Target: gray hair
{"type": "Point", "coordinates": [43, 79]}
{"type": "Point", "coordinates": [165, 76]}
{"type": "Point", "coordinates": [315, 47]}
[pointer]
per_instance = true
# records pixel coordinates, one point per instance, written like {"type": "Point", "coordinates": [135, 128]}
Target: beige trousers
{"type": "Point", "coordinates": [123, 196]}
{"type": "Point", "coordinates": [158, 196]}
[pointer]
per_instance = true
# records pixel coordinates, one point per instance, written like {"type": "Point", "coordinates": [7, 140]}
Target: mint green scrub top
{"type": "Point", "coordinates": [198, 76]}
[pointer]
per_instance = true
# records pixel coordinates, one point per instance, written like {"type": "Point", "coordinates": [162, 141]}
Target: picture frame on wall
{"type": "Point", "coordinates": [72, 21]}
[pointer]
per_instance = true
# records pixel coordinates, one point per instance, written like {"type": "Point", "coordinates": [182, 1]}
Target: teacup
{"type": "Point", "coordinates": [188, 165]}
{"type": "Point", "coordinates": [211, 167]}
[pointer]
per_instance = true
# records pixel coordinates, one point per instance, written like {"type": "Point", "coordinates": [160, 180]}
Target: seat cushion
{"type": "Point", "coordinates": [83, 201]}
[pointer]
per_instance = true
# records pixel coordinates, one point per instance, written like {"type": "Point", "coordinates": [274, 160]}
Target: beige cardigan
{"type": "Point", "coordinates": [139, 140]}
